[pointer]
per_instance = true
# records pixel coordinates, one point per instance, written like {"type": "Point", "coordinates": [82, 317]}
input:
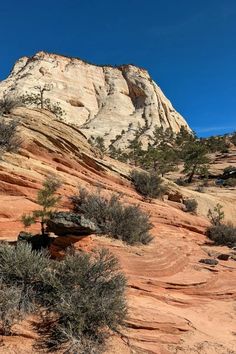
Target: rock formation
{"type": "Point", "coordinates": [106, 101]}
{"type": "Point", "coordinates": [176, 304]}
{"type": "Point", "coordinates": [64, 223]}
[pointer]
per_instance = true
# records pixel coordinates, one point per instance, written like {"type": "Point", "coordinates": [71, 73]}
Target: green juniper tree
{"type": "Point", "coordinates": [117, 153]}
{"type": "Point", "coordinates": [47, 199]}
{"type": "Point", "coordinates": [162, 159]}
{"type": "Point", "coordinates": [183, 137]}
{"type": "Point", "coordinates": [41, 90]}
{"type": "Point", "coordinates": [216, 143]}
{"type": "Point", "coordinates": [167, 160]}
{"type": "Point", "coordinates": [161, 136]}
{"type": "Point", "coordinates": [98, 143]}
{"type": "Point", "coordinates": [194, 155]}
{"type": "Point", "coordinates": [38, 99]}
{"type": "Point", "coordinates": [136, 151]}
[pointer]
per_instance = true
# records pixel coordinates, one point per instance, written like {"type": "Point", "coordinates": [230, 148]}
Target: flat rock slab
{"type": "Point", "coordinates": [66, 223]}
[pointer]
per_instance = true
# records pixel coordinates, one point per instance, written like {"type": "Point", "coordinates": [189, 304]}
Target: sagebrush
{"type": "Point", "coordinates": [190, 205]}
{"type": "Point", "coordinates": [9, 139]}
{"type": "Point", "coordinates": [230, 182]}
{"type": "Point", "coordinates": [10, 309]}
{"type": "Point", "coordinates": [22, 267]}
{"type": "Point", "coordinates": [127, 223]}
{"type": "Point", "coordinates": [87, 294]}
{"type": "Point", "coordinates": [82, 296]}
{"type": "Point", "coordinates": [216, 215]}
{"type": "Point", "coordinates": [149, 185]}
{"type": "Point", "coordinates": [222, 234]}
{"type": "Point", "coordinates": [7, 104]}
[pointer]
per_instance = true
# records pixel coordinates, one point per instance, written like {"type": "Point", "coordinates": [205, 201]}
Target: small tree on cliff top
{"type": "Point", "coordinates": [47, 199]}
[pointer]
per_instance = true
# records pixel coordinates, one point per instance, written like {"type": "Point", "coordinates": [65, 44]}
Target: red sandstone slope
{"type": "Point", "coordinates": [176, 304]}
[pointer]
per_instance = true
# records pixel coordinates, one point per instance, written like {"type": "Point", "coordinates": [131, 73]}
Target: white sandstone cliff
{"type": "Point", "coordinates": [102, 100]}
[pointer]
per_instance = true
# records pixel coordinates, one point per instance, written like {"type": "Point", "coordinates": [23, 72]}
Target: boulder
{"type": "Point", "coordinates": [175, 196]}
{"type": "Point", "coordinates": [209, 261]}
{"type": "Point", "coordinates": [67, 223]}
{"type": "Point", "coordinates": [223, 256]}
{"type": "Point", "coordinates": [24, 236]}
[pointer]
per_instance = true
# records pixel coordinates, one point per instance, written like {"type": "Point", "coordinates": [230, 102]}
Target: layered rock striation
{"type": "Point", "coordinates": [112, 102]}
{"type": "Point", "coordinates": [176, 303]}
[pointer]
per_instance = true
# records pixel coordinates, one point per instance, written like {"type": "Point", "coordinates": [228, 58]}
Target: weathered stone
{"type": "Point", "coordinates": [103, 100]}
{"type": "Point", "coordinates": [209, 261]}
{"type": "Point", "coordinates": [223, 256]}
{"type": "Point", "coordinates": [24, 236]}
{"type": "Point", "coordinates": [67, 223]}
{"type": "Point", "coordinates": [175, 196]}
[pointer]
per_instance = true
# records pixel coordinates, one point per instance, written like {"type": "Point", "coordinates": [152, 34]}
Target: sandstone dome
{"type": "Point", "coordinates": [108, 101]}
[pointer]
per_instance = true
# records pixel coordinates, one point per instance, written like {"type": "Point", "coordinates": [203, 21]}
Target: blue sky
{"type": "Point", "coordinates": [189, 47]}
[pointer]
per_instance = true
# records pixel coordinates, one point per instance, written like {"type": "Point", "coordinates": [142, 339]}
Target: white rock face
{"type": "Point", "coordinates": [102, 100]}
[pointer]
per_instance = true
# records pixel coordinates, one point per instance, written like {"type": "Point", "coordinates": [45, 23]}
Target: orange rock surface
{"type": "Point", "coordinates": [176, 304]}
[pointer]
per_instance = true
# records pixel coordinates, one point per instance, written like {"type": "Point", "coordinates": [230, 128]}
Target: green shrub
{"type": "Point", "coordinates": [190, 205]}
{"type": "Point", "coordinates": [216, 216]}
{"type": "Point", "coordinates": [127, 223]}
{"type": "Point", "coordinates": [230, 182]}
{"type": "Point", "coordinates": [148, 184]}
{"type": "Point", "coordinates": [233, 138]}
{"type": "Point", "coordinates": [10, 311]}
{"type": "Point", "coordinates": [7, 103]}
{"type": "Point", "coordinates": [20, 274]}
{"type": "Point", "coordinates": [117, 154]}
{"type": "Point", "coordinates": [36, 99]}
{"type": "Point", "coordinates": [82, 296]}
{"type": "Point", "coordinates": [86, 291]}
{"type": "Point", "coordinates": [222, 234]}
{"type": "Point", "coordinates": [22, 267]}
{"type": "Point", "coordinates": [194, 155]}
{"type": "Point", "coordinates": [216, 143]}
{"type": "Point", "coordinates": [98, 143]}
{"type": "Point", "coordinates": [9, 141]}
